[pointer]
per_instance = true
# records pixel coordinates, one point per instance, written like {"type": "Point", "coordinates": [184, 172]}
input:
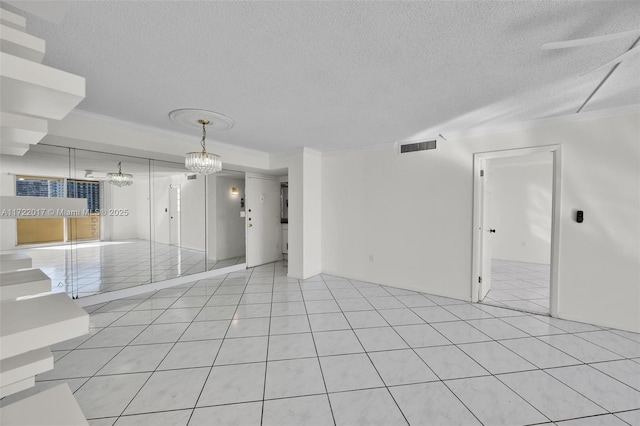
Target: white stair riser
{"type": "Point", "coordinates": [12, 20]}
{"type": "Point", "coordinates": [31, 88]}
{"type": "Point", "coordinates": [21, 44]}
{"type": "Point", "coordinates": [24, 366]}
{"type": "Point", "coordinates": [29, 324]}
{"type": "Point", "coordinates": [16, 387]}
{"type": "Point", "coordinates": [14, 264]}
{"type": "Point", "coordinates": [14, 284]}
{"type": "Point", "coordinates": [55, 406]}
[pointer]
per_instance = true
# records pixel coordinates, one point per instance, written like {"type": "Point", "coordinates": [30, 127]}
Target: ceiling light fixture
{"type": "Point", "coordinates": [203, 162]}
{"type": "Point", "coordinates": [120, 179]}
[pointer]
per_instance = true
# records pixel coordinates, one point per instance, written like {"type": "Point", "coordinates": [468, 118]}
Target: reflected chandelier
{"type": "Point", "coordinates": [120, 179]}
{"type": "Point", "coordinates": [203, 162]}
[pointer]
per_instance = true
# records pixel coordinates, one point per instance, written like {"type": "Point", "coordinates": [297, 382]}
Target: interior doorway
{"type": "Point", "coordinates": [516, 210]}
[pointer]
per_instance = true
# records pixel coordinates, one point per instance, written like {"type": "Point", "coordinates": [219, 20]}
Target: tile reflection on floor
{"type": "Point", "coordinates": [88, 268]}
{"type": "Point", "coordinates": [519, 285]}
{"type": "Point", "coordinates": [259, 348]}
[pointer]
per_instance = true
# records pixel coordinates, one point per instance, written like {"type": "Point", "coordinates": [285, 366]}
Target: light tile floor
{"type": "Point", "coordinates": [101, 266]}
{"type": "Point", "coordinates": [258, 348]}
{"type": "Point", "coordinates": [519, 285]}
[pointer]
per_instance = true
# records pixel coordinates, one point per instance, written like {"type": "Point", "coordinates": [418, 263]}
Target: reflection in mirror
{"type": "Point", "coordinates": [42, 172]}
{"type": "Point", "coordinates": [146, 220]}
{"type": "Point", "coordinates": [178, 221]}
{"type": "Point", "coordinates": [196, 224]}
{"type": "Point", "coordinates": [109, 252]}
{"type": "Point", "coordinates": [226, 224]}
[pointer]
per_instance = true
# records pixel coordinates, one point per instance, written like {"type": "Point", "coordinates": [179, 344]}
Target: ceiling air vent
{"type": "Point", "coordinates": [191, 177]}
{"type": "Point", "coordinates": [417, 146]}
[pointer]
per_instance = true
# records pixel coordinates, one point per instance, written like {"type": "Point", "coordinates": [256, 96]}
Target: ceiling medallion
{"type": "Point", "coordinates": [202, 162]}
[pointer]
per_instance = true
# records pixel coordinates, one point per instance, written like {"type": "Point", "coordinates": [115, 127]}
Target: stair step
{"type": "Point", "coordinates": [12, 20]}
{"type": "Point", "coordinates": [53, 407]}
{"type": "Point", "coordinates": [19, 43]}
{"type": "Point", "coordinates": [14, 261]}
{"type": "Point", "coordinates": [16, 387]}
{"type": "Point", "coordinates": [38, 322]}
{"type": "Point", "coordinates": [31, 88]}
{"type": "Point", "coordinates": [27, 282]}
{"type": "Point", "coordinates": [21, 368]}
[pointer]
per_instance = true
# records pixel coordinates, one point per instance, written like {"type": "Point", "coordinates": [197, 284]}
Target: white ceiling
{"type": "Point", "coordinates": [334, 75]}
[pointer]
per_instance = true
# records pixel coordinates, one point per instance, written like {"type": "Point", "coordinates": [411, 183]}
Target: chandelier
{"type": "Point", "coordinates": [203, 162]}
{"type": "Point", "coordinates": [120, 179]}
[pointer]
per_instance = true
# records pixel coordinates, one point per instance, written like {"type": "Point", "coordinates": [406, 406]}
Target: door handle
{"type": "Point", "coordinates": [492, 231]}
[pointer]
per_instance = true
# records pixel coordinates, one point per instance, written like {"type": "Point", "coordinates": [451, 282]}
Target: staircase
{"type": "Point", "coordinates": [32, 319]}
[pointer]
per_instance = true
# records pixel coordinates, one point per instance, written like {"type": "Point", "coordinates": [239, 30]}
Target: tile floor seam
{"type": "Point", "coordinates": [195, 406]}
{"type": "Point", "coordinates": [174, 344]}
{"type": "Point", "coordinates": [602, 372]}
{"type": "Point", "coordinates": [111, 359]}
{"type": "Point", "coordinates": [383, 304]}
{"type": "Point", "coordinates": [462, 378]}
{"type": "Point", "coordinates": [492, 374]}
{"type": "Point", "coordinates": [151, 372]}
{"type": "Point", "coordinates": [324, 381]}
{"type": "Point", "coordinates": [266, 360]}
{"type": "Point", "coordinates": [578, 334]}
{"type": "Point", "coordinates": [369, 357]}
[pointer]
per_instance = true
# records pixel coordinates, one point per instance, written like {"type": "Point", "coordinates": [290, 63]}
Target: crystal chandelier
{"type": "Point", "coordinates": [120, 179]}
{"type": "Point", "coordinates": [203, 162]}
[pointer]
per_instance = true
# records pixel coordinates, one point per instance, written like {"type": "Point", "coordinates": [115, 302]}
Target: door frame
{"type": "Point", "coordinates": [477, 251]}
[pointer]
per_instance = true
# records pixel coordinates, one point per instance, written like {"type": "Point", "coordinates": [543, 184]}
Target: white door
{"type": "Point", "coordinates": [263, 220]}
{"type": "Point", "coordinates": [174, 215]}
{"type": "Point", "coordinates": [486, 232]}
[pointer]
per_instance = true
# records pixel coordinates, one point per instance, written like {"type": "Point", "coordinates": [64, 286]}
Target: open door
{"type": "Point", "coordinates": [263, 220]}
{"type": "Point", "coordinates": [519, 242]}
{"type": "Point", "coordinates": [484, 280]}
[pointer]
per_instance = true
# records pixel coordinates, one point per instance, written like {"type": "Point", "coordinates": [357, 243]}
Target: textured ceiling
{"type": "Point", "coordinates": [333, 75]}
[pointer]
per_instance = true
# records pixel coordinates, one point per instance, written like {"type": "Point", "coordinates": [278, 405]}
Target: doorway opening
{"type": "Point", "coordinates": [267, 222]}
{"type": "Point", "coordinates": [516, 218]}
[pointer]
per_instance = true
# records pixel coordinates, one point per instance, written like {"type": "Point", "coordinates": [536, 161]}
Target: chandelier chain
{"type": "Point", "coordinates": [204, 135]}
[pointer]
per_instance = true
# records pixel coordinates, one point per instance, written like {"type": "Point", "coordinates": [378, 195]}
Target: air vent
{"type": "Point", "coordinates": [418, 146]}
{"type": "Point", "coordinates": [191, 177]}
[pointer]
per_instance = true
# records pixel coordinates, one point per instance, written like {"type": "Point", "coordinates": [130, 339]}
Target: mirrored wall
{"type": "Point", "coordinates": [146, 220]}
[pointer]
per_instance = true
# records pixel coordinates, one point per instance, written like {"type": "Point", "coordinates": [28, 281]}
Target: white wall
{"type": "Point", "coordinates": [312, 213]}
{"type": "Point", "coordinates": [212, 223]}
{"type": "Point", "coordinates": [230, 227]}
{"type": "Point", "coordinates": [143, 225]}
{"type": "Point", "coordinates": [406, 220]}
{"type": "Point", "coordinates": [192, 210]}
{"type": "Point", "coordinates": [119, 227]}
{"type": "Point", "coordinates": [521, 201]}
{"type": "Point", "coordinates": [305, 211]}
